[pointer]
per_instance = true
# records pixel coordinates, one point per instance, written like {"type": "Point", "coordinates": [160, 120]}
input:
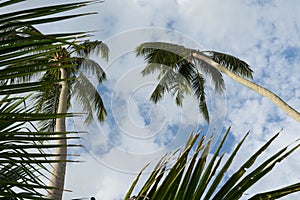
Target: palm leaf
{"type": "Point", "coordinates": [217, 78]}
{"type": "Point", "coordinates": [232, 63]}
{"type": "Point", "coordinates": [178, 75]}
{"type": "Point", "coordinates": [89, 98]}
{"type": "Point", "coordinates": [198, 85]}
{"type": "Point", "coordinates": [193, 179]}
{"type": "Point", "coordinates": [21, 153]}
{"type": "Point", "coordinates": [275, 194]}
{"type": "Point", "coordinates": [86, 48]}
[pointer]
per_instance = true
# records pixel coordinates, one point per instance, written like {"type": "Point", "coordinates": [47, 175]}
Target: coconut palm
{"type": "Point", "coordinates": [25, 52]}
{"type": "Point", "coordinates": [181, 71]}
{"type": "Point", "coordinates": [72, 82]}
{"type": "Point", "coordinates": [193, 174]}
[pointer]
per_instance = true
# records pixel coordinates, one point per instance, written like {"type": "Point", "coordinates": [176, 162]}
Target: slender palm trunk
{"type": "Point", "coordinates": [257, 88]}
{"type": "Point", "coordinates": [59, 170]}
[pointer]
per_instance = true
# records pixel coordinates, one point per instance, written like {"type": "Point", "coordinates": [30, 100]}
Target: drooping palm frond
{"type": "Point", "coordinates": [178, 74]}
{"type": "Point", "coordinates": [91, 67]}
{"type": "Point", "coordinates": [216, 76]}
{"type": "Point", "coordinates": [46, 101]}
{"type": "Point", "coordinates": [86, 48]}
{"type": "Point", "coordinates": [195, 175]}
{"type": "Point", "coordinates": [232, 63]}
{"type": "Point", "coordinates": [198, 85]}
{"type": "Point", "coordinates": [90, 99]}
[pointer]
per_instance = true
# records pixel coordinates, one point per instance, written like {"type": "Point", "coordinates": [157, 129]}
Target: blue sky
{"type": "Point", "coordinates": [264, 33]}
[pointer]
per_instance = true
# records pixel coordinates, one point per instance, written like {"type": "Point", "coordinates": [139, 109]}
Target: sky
{"type": "Point", "coordinates": [264, 33]}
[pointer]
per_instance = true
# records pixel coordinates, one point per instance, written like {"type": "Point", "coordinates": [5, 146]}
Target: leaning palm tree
{"type": "Point", "coordinates": [181, 71]}
{"type": "Point", "coordinates": [194, 174]}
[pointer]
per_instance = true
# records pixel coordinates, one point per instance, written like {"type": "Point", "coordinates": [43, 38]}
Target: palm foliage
{"type": "Point", "coordinates": [76, 57]}
{"type": "Point", "coordinates": [181, 71]}
{"type": "Point", "coordinates": [65, 77]}
{"type": "Point", "coordinates": [197, 175]}
{"type": "Point", "coordinates": [24, 156]}
{"type": "Point", "coordinates": [179, 74]}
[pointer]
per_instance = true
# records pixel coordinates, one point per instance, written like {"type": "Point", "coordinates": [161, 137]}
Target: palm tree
{"type": "Point", "coordinates": [24, 162]}
{"type": "Point", "coordinates": [73, 82]}
{"type": "Point", "coordinates": [71, 64]}
{"type": "Point", "coordinates": [180, 73]}
{"type": "Point", "coordinates": [193, 174]}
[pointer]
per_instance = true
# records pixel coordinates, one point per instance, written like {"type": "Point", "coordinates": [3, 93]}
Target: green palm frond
{"type": "Point", "coordinates": [148, 47]}
{"type": "Point", "coordinates": [178, 74]}
{"type": "Point", "coordinates": [86, 48]}
{"type": "Point", "coordinates": [195, 175]}
{"type": "Point", "coordinates": [216, 76]}
{"type": "Point", "coordinates": [232, 63]}
{"type": "Point", "coordinates": [91, 67]}
{"type": "Point", "coordinates": [198, 85]}
{"type": "Point", "coordinates": [46, 101]}
{"type": "Point", "coordinates": [88, 96]}
{"type": "Point", "coordinates": [163, 57]}
{"type": "Point", "coordinates": [22, 156]}
{"type": "Point", "coordinates": [276, 194]}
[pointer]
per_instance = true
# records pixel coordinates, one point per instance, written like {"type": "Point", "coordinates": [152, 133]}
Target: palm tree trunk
{"type": "Point", "coordinates": [257, 88]}
{"type": "Point", "coordinates": [59, 169]}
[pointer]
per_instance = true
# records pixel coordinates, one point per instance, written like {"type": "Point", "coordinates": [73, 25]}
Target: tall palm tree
{"type": "Point", "coordinates": [193, 174]}
{"type": "Point", "coordinates": [181, 72]}
{"type": "Point", "coordinates": [23, 53]}
{"type": "Point", "coordinates": [70, 65]}
{"type": "Point", "coordinates": [73, 82]}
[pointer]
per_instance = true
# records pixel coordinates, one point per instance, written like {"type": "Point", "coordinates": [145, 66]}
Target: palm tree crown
{"type": "Point", "coordinates": [80, 86]}
{"type": "Point", "coordinates": [181, 72]}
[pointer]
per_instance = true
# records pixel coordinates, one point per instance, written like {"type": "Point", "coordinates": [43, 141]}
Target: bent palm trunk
{"type": "Point", "coordinates": [59, 168]}
{"type": "Point", "coordinates": [257, 88]}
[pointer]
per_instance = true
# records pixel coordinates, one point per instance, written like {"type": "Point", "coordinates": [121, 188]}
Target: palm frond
{"type": "Point", "coordinates": [198, 85]}
{"type": "Point", "coordinates": [276, 194]}
{"type": "Point", "coordinates": [150, 47]}
{"type": "Point", "coordinates": [232, 63]}
{"type": "Point", "coordinates": [46, 100]}
{"type": "Point", "coordinates": [88, 96]}
{"type": "Point", "coordinates": [216, 75]}
{"type": "Point", "coordinates": [178, 74]}
{"type": "Point", "coordinates": [86, 48]}
{"type": "Point", "coordinates": [22, 154]}
{"type": "Point", "coordinates": [91, 67]}
{"type": "Point", "coordinates": [191, 178]}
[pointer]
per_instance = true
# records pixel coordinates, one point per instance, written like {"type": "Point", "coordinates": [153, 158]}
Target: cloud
{"type": "Point", "coordinates": [263, 33]}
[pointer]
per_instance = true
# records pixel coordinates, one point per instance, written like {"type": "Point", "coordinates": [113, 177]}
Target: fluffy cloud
{"type": "Point", "coordinates": [263, 33]}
